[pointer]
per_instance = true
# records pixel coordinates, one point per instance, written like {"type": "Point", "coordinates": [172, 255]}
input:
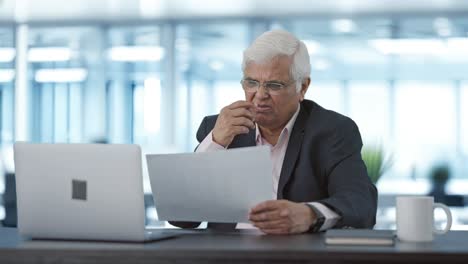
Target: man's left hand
{"type": "Point", "coordinates": [282, 217]}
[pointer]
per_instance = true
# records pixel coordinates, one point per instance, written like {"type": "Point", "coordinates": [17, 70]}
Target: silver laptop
{"type": "Point", "coordinates": [81, 192]}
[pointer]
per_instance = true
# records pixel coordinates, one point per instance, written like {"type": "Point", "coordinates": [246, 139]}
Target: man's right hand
{"type": "Point", "coordinates": [234, 119]}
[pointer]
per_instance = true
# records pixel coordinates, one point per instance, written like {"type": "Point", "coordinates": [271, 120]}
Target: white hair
{"type": "Point", "coordinates": [279, 42]}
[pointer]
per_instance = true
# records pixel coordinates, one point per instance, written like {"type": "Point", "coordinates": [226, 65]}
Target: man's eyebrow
{"type": "Point", "coordinates": [276, 81]}
{"type": "Point", "coordinates": [270, 81]}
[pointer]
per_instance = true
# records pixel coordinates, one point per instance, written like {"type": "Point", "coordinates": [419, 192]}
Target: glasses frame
{"type": "Point", "coordinates": [269, 90]}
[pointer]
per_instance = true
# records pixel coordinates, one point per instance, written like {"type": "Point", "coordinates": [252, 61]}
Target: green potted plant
{"type": "Point", "coordinates": [376, 160]}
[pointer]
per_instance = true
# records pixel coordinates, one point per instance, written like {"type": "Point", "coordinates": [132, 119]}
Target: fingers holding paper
{"type": "Point", "coordinates": [282, 217]}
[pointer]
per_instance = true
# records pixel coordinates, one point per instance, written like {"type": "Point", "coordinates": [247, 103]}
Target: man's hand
{"type": "Point", "coordinates": [282, 217]}
{"type": "Point", "coordinates": [234, 119]}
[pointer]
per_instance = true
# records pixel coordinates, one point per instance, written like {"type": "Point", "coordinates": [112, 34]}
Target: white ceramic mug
{"type": "Point", "coordinates": [415, 218]}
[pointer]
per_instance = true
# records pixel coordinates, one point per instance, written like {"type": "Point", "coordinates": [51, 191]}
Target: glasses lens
{"type": "Point", "coordinates": [274, 86]}
{"type": "Point", "coordinates": [250, 84]}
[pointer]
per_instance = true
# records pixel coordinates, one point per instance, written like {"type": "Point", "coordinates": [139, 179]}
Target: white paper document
{"type": "Point", "coordinates": [218, 186]}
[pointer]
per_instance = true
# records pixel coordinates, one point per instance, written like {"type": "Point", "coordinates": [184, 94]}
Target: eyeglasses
{"type": "Point", "coordinates": [252, 86]}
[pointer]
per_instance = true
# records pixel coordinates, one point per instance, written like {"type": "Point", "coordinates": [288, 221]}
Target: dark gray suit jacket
{"type": "Point", "coordinates": [322, 163]}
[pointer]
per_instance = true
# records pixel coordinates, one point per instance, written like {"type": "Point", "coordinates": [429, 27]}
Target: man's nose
{"type": "Point", "coordinates": [262, 92]}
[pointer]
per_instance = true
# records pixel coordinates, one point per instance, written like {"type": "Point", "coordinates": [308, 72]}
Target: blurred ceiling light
{"type": "Point", "coordinates": [7, 75]}
{"type": "Point", "coordinates": [136, 53]}
{"type": "Point", "coordinates": [343, 25]}
{"type": "Point", "coordinates": [49, 54]}
{"type": "Point", "coordinates": [61, 75]}
{"type": "Point", "coordinates": [457, 45]}
{"type": "Point", "coordinates": [409, 46]}
{"type": "Point", "coordinates": [216, 65]}
{"type": "Point", "coordinates": [320, 64]}
{"type": "Point", "coordinates": [152, 8]}
{"type": "Point", "coordinates": [7, 54]}
{"type": "Point", "coordinates": [442, 26]}
{"type": "Point", "coordinates": [313, 47]}
{"type": "Point", "coordinates": [216, 7]}
{"type": "Point", "coordinates": [22, 9]}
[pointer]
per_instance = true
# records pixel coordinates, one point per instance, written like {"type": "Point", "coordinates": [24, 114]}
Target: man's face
{"type": "Point", "coordinates": [273, 111]}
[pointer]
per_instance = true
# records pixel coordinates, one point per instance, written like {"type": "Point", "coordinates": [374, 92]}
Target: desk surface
{"type": "Point", "coordinates": [234, 247]}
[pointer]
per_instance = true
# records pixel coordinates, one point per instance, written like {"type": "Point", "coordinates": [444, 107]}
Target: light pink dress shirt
{"type": "Point", "coordinates": [277, 156]}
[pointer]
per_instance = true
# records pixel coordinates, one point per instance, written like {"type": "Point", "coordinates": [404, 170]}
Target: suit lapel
{"type": "Point", "coordinates": [292, 151]}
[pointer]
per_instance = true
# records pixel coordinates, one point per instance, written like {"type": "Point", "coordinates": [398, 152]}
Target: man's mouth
{"type": "Point", "coordinates": [263, 108]}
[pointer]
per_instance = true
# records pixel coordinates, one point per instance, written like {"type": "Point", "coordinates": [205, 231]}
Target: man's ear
{"type": "Point", "coordinates": [304, 86]}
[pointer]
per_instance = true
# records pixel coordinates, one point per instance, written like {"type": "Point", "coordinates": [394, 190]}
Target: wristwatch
{"type": "Point", "coordinates": [319, 220]}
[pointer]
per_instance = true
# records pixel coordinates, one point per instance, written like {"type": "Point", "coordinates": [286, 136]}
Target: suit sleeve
{"type": "Point", "coordinates": [351, 193]}
{"type": "Point", "coordinates": [201, 134]}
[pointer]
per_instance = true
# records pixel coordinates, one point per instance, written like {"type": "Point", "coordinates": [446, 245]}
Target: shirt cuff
{"type": "Point", "coordinates": [208, 145]}
{"type": "Point", "coordinates": [331, 217]}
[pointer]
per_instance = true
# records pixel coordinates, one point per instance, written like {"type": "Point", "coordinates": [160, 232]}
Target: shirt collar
{"type": "Point", "coordinates": [287, 129]}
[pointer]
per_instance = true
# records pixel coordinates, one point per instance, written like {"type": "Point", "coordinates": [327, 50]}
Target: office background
{"type": "Point", "coordinates": [147, 72]}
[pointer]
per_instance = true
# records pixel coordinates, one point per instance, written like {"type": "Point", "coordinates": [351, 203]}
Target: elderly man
{"type": "Point", "coordinates": [319, 178]}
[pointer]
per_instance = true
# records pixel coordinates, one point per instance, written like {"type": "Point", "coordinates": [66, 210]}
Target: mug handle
{"type": "Point", "coordinates": [449, 219]}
